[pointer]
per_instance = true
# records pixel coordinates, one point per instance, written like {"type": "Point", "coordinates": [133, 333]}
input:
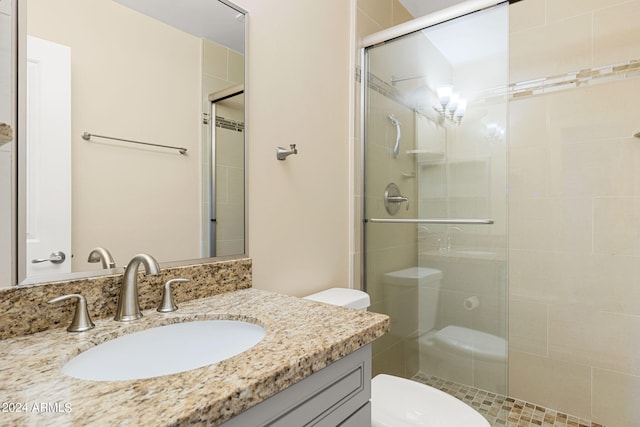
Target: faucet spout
{"type": "Point", "coordinates": [102, 255]}
{"type": "Point", "coordinates": [128, 304]}
{"type": "Point", "coordinates": [282, 153]}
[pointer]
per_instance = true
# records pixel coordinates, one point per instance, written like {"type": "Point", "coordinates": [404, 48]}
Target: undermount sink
{"type": "Point", "coordinates": [165, 350]}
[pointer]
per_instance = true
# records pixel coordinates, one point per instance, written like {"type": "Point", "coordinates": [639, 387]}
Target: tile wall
{"type": "Point", "coordinates": [574, 204]}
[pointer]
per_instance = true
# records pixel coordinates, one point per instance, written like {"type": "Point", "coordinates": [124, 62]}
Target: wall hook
{"type": "Point", "coordinates": [282, 153]}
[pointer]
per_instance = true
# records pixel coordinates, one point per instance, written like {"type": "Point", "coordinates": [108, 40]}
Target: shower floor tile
{"type": "Point", "coordinates": [504, 411]}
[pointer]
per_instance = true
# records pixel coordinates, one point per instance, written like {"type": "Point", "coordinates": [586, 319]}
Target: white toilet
{"type": "Point", "coordinates": [399, 402]}
{"type": "Point", "coordinates": [461, 354]}
{"type": "Point", "coordinates": [403, 290]}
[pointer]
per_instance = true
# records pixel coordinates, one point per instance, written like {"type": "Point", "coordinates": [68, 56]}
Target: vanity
{"type": "Point", "coordinates": [312, 367]}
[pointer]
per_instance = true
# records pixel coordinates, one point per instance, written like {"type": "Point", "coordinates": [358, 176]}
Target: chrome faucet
{"type": "Point", "coordinates": [282, 153]}
{"type": "Point", "coordinates": [102, 255]}
{"type": "Point", "coordinates": [128, 303]}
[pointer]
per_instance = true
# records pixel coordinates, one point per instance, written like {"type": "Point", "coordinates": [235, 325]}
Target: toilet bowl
{"type": "Point", "coordinates": [470, 342]}
{"type": "Point", "coordinates": [399, 402]}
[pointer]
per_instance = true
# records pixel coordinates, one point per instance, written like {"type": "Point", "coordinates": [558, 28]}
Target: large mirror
{"type": "Point", "coordinates": [130, 135]}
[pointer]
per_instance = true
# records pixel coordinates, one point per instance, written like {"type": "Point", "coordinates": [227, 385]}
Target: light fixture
{"type": "Point", "coordinates": [451, 107]}
{"type": "Point", "coordinates": [444, 95]}
{"type": "Point", "coordinates": [495, 131]}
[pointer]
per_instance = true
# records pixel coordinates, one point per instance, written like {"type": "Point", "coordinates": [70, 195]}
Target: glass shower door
{"type": "Point", "coordinates": [435, 199]}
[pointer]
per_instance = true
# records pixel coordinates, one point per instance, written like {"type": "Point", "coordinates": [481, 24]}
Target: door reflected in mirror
{"type": "Point", "coordinates": [227, 185]}
{"type": "Point", "coordinates": [131, 71]}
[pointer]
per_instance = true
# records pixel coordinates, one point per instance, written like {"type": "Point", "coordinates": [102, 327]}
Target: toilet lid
{"type": "Point", "coordinates": [399, 402]}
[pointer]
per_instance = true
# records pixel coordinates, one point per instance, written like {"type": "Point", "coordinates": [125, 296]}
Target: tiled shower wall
{"type": "Point", "coordinates": [574, 210]}
{"type": "Point", "coordinates": [574, 205]}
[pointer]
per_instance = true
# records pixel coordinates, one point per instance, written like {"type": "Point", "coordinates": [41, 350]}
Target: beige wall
{"type": "Point", "coordinates": [133, 78]}
{"type": "Point", "coordinates": [574, 321]}
{"type": "Point", "coordinates": [299, 88]}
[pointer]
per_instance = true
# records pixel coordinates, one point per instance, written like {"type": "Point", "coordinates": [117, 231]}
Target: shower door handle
{"type": "Point", "coordinates": [396, 124]}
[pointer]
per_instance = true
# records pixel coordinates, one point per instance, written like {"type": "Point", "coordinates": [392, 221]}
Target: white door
{"type": "Point", "coordinates": [48, 222]}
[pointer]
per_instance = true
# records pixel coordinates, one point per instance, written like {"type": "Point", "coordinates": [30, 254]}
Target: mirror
{"type": "Point", "coordinates": [122, 146]}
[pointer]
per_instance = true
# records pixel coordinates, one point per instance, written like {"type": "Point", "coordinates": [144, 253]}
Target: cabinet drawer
{"type": "Point", "coordinates": [316, 406]}
{"type": "Point", "coordinates": [361, 418]}
{"type": "Point", "coordinates": [325, 399]}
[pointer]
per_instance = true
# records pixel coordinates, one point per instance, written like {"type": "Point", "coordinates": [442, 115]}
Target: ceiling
{"type": "Point", "coordinates": [419, 8]}
{"type": "Point", "coordinates": [468, 38]}
{"type": "Point", "coordinates": [207, 19]}
{"type": "Point", "coordinates": [215, 21]}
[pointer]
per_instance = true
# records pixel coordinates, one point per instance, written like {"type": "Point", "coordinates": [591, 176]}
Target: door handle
{"type": "Point", "coordinates": [55, 258]}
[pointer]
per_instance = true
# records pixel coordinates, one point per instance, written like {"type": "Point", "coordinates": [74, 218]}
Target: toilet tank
{"type": "Point", "coordinates": [413, 276]}
{"type": "Point", "coordinates": [413, 296]}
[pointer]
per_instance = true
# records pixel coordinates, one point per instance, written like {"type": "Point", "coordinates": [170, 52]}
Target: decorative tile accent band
{"type": "Point", "coordinates": [574, 79]}
{"type": "Point", "coordinates": [544, 85]}
{"type": "Point", "coordinates": [229, 124]}
{"type": "Point", "coordinates": [375, 83]}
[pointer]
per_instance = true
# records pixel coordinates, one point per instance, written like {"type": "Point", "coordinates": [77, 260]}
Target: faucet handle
{"type": "Point", "coordinates": [81, 320]}
{"type": "Point", "coordinates": [168, 305]}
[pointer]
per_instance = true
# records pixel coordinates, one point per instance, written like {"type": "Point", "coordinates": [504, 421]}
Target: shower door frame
{"type": "Point", "coordinates": [211, 220]}
{"type": "Point", "coordinates": [375, 40]}
{"type": "Point", "coordinates": [384, 36]}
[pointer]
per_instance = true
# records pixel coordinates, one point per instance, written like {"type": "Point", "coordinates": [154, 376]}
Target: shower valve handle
{"type": "Point", "coordinates": [399, 199]}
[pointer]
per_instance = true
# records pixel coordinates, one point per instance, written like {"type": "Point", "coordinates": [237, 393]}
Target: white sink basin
{"type": "Point", "coordinates": [165, 350]}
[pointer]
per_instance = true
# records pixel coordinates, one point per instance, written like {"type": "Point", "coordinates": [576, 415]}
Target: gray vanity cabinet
{"type": "Point", "coordinates": [337, 395]}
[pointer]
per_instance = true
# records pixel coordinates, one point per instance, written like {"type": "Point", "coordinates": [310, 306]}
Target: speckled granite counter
{"type": "Point", "coordinates": [302, 338]}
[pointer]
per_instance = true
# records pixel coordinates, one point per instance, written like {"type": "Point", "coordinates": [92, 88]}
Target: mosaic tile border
{"type": "Point", "coordinates": [229, 124]}
{"type": "Point", "coordinates": [573, 79]}
{"type": "Point", "coordinates": [518, 90]}
{"type": "Point", "coordinates": [504, 411]}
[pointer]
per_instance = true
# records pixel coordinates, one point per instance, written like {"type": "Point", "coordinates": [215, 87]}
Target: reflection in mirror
{"type": "Point", "coordinates": [7, 141]}
{"type": "Point", "coordinates": [135, 70]}
{"type": "Point", "coordinates": [227, 185]}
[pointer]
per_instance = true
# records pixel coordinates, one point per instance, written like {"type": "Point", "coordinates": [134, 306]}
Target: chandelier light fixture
{"type": "Point", "coordinates": [452, 107]}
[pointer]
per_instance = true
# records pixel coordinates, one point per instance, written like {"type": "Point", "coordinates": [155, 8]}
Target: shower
{"type": "Point", "coordinates": [522, 227]}
{"type": "Point", "coordinates": [438, 265]}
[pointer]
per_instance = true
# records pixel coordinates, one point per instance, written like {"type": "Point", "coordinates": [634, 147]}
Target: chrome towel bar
{"type": "Point", "coordinates": [87, 136]}
{"type": "Point", "coordinates": [429, 221]}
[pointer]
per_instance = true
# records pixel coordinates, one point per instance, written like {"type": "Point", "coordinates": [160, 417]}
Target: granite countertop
{"type": "Point", "coordinates": [302, 338]}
